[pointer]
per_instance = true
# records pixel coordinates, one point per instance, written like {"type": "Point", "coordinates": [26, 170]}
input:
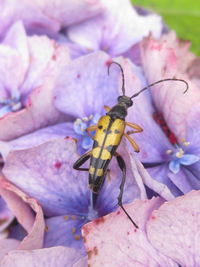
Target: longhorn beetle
{"type": "Point", "coordinates": [109, 132]}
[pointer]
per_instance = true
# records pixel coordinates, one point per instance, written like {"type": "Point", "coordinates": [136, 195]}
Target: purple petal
{"type": "Point", "coordinates": [36, 138]}
{"type": "Point", "coordinates": [185, 180]}
{"type": "Point", "coordinates": [85, 87]}
{"type": "Point", "coordinates": [64, 231]}
{"type": "Point", "coordinates": [45, 173]}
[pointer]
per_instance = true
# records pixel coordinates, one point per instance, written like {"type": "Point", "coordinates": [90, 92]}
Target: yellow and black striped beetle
{"type": "Point", "coordinates": [109, 132]}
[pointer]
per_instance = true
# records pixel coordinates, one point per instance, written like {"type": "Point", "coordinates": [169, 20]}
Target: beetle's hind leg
{"type": "Point", "coordinates": [122, 166]}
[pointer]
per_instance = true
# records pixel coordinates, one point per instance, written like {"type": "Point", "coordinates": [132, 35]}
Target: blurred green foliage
{"type": "Point", "coordinates": [181, 15]}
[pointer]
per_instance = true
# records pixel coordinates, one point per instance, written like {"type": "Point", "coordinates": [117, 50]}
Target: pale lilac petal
{"type": "Point", "coordinates": [174, 229]}
{"type": "Point", "coordinates": [45, 172]}
{"type": "Point", "coordinates": [160, 174]}
{"type": "Point", "coordinates": [47, 16]}
{"type": "Point", "coordinates": [51, 257]}
{"type": "Point", "coordinates": [113, 240]}
{"type": "Point", "coordinates": [156, 185]}
{"type": "Point", "coordinates": [14, 53]}
{"type": "Point", "coordinates": [168, 96]}
{"type": "Point", "coordinates": [112, 31]}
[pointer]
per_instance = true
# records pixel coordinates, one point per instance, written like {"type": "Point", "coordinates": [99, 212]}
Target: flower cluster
{"type": "Point", "coordinates": [54, 83]}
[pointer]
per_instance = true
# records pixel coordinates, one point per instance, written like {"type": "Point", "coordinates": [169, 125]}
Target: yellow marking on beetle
{"type": "Point", "coordinates": [91, 170]}
{"type": "Point", "coordinates": [113, 136]}
{"type": "Point", "coordinates": [105, 154]}
{"type": "Point", "coordinates": [99, 172]}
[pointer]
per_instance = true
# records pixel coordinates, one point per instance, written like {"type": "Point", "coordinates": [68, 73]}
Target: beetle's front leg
{"type": "Point", "coordinates": [91, 129]}
{"type": "Point", "coordinates": [81, 161]}
{"type": "Point", "coordinates": [137, 128]}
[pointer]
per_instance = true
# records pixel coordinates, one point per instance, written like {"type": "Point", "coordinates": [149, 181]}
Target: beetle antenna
{"type": "Point", "coordinates": [164, 80]}
{"type": "Point", "coordinates": [122, 72]}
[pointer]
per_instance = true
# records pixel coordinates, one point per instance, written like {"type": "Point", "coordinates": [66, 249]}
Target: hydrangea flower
{"type": "Point", "coordinates": [50, 97]}
{"type": "Point", "coordinates": [110, 32]}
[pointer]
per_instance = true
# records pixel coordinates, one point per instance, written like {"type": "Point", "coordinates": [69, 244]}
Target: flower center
{"type": "Point", "coordinates": [11, 104]}
{"type": "Point", "coordinates": [179, 157]}
{"type": "Point", "coordinates": [80, 126]}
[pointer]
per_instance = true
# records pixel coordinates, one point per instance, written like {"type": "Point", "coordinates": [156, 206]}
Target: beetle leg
{"type": "Point", "coordinates": [91, 129]}
{"type": "Point", "coordinates": [137, 128]}
{"type": "Point", "coordinates": [82, 160]}
{"type": "Point", "coordinates": [107, 108]}
{"type": "Point", "coordinates": [122, 166]}
{"type": "Point", "coordinates": [133, 143]}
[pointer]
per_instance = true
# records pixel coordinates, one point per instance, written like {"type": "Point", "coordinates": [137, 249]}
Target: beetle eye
{"type": "Point", "coordinates": [130, 103]}
{"type": "Point", "coordinates": [119, 98]}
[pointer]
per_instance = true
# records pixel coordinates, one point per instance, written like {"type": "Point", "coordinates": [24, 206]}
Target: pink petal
{"type": "Point", "coordinates": [174, 229]}
{"type": "Point", "coordinates": [168, 96]}
{"type": "Point", "coordinates": [7, 245]}
{"type": "Point", "coordinates": [20, 204]}
{"type": "Point", "coordinates": [113, 241]}
{"type": "Point", "coordinates": [51, 257]}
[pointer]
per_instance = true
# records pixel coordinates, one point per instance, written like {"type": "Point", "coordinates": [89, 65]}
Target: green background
{"type": "Point", "coordinates": [181, 15]}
